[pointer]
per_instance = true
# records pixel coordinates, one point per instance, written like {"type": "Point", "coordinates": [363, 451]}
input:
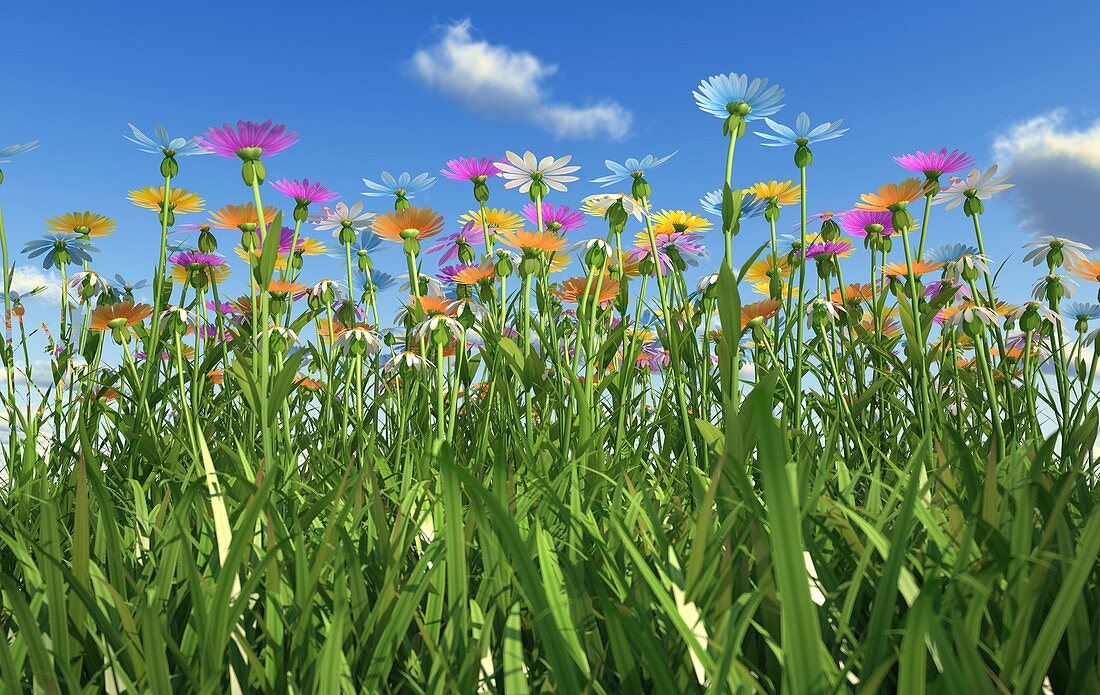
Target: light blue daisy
{"type": "Point", "coordinates": [751, 206]}
{"type": "Point", "coordinates": [51, 246]}
{"type": "Point", "coordinates": [802, 133]}
{"type": "Point", "coordinates": [720, 94]}
{"type": "Point", "coordinates": [6, 153]}
{"type": "Point", "coordinates": [404, 185]}
{"type": "Point", "coordinates": [161, 141]}
{"type": "Point", "coordinates": [630, 168]}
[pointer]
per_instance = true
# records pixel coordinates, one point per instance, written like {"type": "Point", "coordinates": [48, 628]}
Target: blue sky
{"type": "Point", "coordinates": [981, 79]}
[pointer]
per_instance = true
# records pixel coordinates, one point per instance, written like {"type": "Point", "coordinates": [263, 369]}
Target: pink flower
{"type": "Point", "coordinates": [303, 192]}
{"type": "Point", "coordinates": [249, 140]}
{"type": "Point", "coordinates": [566, 220]}
{"type": "Point", "coordinates": [451, 243]}
{"type": "Point", "coordinates": [470, 168]}
{"type": "Point", "coordinates": [856, 222]}
{"type": "Point", "coordinates": [933, 163]}
{"type": "Point", "coordinates": [829, 249]}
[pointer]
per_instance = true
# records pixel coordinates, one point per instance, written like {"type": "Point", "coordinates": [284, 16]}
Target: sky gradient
{"type": "Point", "coordinates": [371, 88]}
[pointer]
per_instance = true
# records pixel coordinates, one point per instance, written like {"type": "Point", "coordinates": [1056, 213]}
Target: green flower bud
{"type": "Point", "coordinates": [771, 212]}
{"type": "Point", "coordinates": [402, 203]}
{"type": "Point", "coordinates": [169, 166]}
{"type": "Point", "coordinates": [973, 205]}
{"type": "Point", "coordinates": [363, 261]}
{"type": "Point", "coordinates": [902, 219]}
{"type": "Point", "coordinates": [802, 156]}
{"type": "Point", "coordinates": [347, 233]}
{"type": "Point", "coordinates": [252, 170]}
{"type": "Point", "coordinates": [830, 230]}
{"type": "Point", "coordinates": [481, 190]}
{"type": "Point", "coordinates": [301, 211]}
{"type": "Point", "coordinates": [465, 252]}
{"type": "Point", "coordinates": [504, 266]}
{"type": "Point", "coordinates": [208, 243]}
{"type": "Point", "coordinates": [617, 217]}
{"type": "Point", "coordinates": [640, 190]}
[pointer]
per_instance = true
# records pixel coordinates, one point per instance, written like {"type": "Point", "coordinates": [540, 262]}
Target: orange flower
{"type": "Point", "coordinates": [308, 383]}
{"type": "Point", "coordinates": [894, 270]}
{"type": "Point", "coordinates": [776, 192]}
{"type": "Point", "coordinates": [891, 194]}
{"type": "Point", "coordinates": [1087, 270]}
{"type": "Point", "coordinates": [761, 310]}
{"type": "Point", "coordinates": [435, 306]}
{"type": "Point", "coordinates": [109, 316]}
{"type": "Point", "coordinates": [424, 221]}
{"type": "Point", "coordinates": [284, 287]}
{"type": "Point", "coordinates": [573, 289]}
{"type": "Point", "coordinates": [472, 276]}
{"type": "Point", "coordinates": [522, 240]}
{"type": "Point", "coordinates": [233, 216]}
{"type": "Point", "coordinates": [216, 376]}
{"type": "Point", "coordinates": [852, 293]}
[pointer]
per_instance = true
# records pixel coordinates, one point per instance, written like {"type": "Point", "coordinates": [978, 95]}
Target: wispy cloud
{"type": "Point", "coordinates": [28, 278]}
{"type": "Point", "coordinates": [1055, 167]}
{"type": "Point", "coordinates": [502, 81]}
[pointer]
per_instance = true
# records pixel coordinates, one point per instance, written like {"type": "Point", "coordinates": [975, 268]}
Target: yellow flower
{"type": "Point", "coordinates": [86, 223]}
{"type": "Point", "coordinates": [216, 274]}
{"type": "Point", "coordinates": [758, 271]}
{"type": "Point", "coordinates": [311, 247]}
{"type": "Point", "coordinates": [180, 200]}
{"type": "Point", "coordinates": [669, 221]}
{"type": "Point", "coordinates": [775, 192]}
{"type": "Point", "coordinates": [495, 218]}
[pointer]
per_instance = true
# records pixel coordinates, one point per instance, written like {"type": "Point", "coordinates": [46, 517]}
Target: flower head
{"type": "Point", "coordinates": [673, 249]}
{"type": "Point", "coordinates": [559, 219]}
{"type": "Point", "coordinates": [452, 244]}
{"type": "Point", "coordinates": [977, 184]}
{"type": "Point", "coordinates": [950, 253]}
{"type": "Point", "coordinates": [751, 206]}
{"type": "Point", "coordinates": [405, 185]}
{"type": "Point", "coordinates": [891, 195]}
{"type": "Point", "coordinates": [60, 248]}
{"type": "Point", "coordinates": [208, 267]}
{"type": "Point", "coordinates": [763, 310]}
{"type": "Point", "coordinates": [679, 221]}
{"type": "Point", "coordinates": [900, 270]}
{"type": "Point", "coordinates": [934, 164]}
{"type": "Point", "coordinates": [418, 223]}
{"type": "Point", "coordinates": [578, 289]}
{"type": "Point", "coordinates": [119, 314]}
{"type": "Point", "coordinates": [538, 242]}
{"type": "Point", "coordinates": [343, 216]}
{"type": "Point", "coordinates": [1086, 270]}
{"type": "Point", "coordinates": [495, 219]}
{"type": "Point", "coordinates": [180, 200]}
{"type": "Point", "coordinates": [597, 205]}
{"type": "Point", "coordinates": [86, 224]}
{"type": "Point", "coordinates": [304, 192]}
{"type": "Point", "coordinates": [468, 273]}
{"type": "Point", "coordinates": [841, 248]}
{"type": "Point", "coordinates": [234, 216]}
{"type": "Point", "coordinates": [249, 140]}
{"type": "Point", "coordinates": [860, 223]}
{"type": "Point", "coordinates": [632, 168]}
{"type": "Point", "coordinates": [802, 134]}
{"type": "Point", "coordinates": [6, 153]}
{"type": "Point", "coordinates": [471, 168]}
{"type": "Point", "coordinates": [162, 143]}
{"type": "Point", "coordinates": [775, 192]}
{"type": "Point", "coordinates": [525, 171]}
{"type": "Point", "coordinates": [733, 94]}
{"type": "Point", "coordinates": [1052, 247]}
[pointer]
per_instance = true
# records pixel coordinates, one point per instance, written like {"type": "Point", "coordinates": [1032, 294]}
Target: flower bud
{"type": "Point", "coordinates": [802, 156]}
{"type": "Point", "coordinates": [641, 189]}
{"type": "Point", "coordinates": [301, 211]}
{"type": "Point", "coordinates": [208, 243]}
{"type": "Point", "coordinates": [169, 167]}
{"type": "Point", "coordinates": [973, 205]}
{"type": "Point", "coordinates": [481, 190]}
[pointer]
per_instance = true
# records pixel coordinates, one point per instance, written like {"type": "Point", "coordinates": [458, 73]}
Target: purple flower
{"type": "Point", "coordinates": [451, 243]}
{"type": "Point", "coordinates": [470, 168]}
{"type": "Point", "coordinates": [856, 222]}
{"type": "Point", "coordinates": [303, 192]}
{"type": "Point", "coordinates": [249, 140]}
{"type": "Point", "coordinates": [933, 163]}
{"type": "Point", "coordinates": [936, 288]}
{"type": "Point", "coordinates": [684, 245]}
{"type": "Point", "coordinates": [566, 220]}
{"type": "Point", "coordinates": [188, 259]}
{"type": "Point", "coordinates": [225, 308]}
{"type": "Point", "coordinates": [448, 272]}
{"type": "Point", "coordinates": [829, 249]}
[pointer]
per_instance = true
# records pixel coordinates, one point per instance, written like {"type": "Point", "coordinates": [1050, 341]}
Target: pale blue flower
{"type": "Point", "coordinates": [1082, 311]}
{"type": "Point", "coordinates": [802, 131]}
{"type": "Point", "coordinates": [630, 168]}
{"type": "Point", "coordinates": [950, 253]}
{"type": "Point", "coordinates": [381, 280]}
{"type": "Point", "coordinates": [404, 185]}
{"type": "Point", "coordinates": [182, 147]}
{"type": "Point", "coordinates": [751, 206]}
{"type": "Point", "coordinates": [50, 245]}
{"type": "Point", "coordinates": [719, 93]}
{"type": "Point", "coordinates": [12, 150]}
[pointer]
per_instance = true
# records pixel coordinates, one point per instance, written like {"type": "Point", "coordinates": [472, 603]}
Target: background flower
{"type": "Point", "coordinates": [161, 141]}
{"type": "Point", "coordinates": [716, 93]}
{"type": "Point", "coordinates": [782, 135]}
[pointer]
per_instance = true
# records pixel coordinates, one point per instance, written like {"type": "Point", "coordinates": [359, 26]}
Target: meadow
{"type": "Point", "coordinates": [566, 464]}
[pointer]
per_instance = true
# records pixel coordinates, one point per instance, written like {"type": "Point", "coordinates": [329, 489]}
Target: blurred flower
{"type": "Point", "coordinates": [303, 192]}
{"type": "Point", "coordinates": [802, 134]}
{"type": "Point", "coordinates": [128, 288]}
{"type": "Point", "coordinates": [937, 287]}
{"type": "Point", "coordinates": [841, 248]}
{"type": "Point", "coordinates": [249, 140]}
{"type": "Point", "coordinates": [1066, 286]}
{"type": "Point", "coordinates": [470, 168]}
{"type": "Point", "coordinates": [631, 168]}
{"type": "Point", "coordinates": [342, 216]}
{"type": "Point", "coordinates": [892, 194]}
{"type": "Point", "coordinates": [598, 204]}
{"type": "Point", "coordinates": [950, 253]}
{"type": "Point", "coordinates": [15, 150]}
{"type": "Point", "coordinates": [407, 360]}
{"type": "Point", "coordinates": [934, 164]}
{"type": "Point", "coordinates": [523, 171]}
{"type": "Point", "coordinates": [404, 186]}
{"type": "Point", "coordinates": [365, 242]}
{"type": "Point", "coordinates": [1086, 270]}
{"type": "Point", "coordinates": [495, 219]}
{"type": "Point", "coordinates": [852, 293]}
{"type": "Point", "coordinates": [180, 200]}
{"type": "Point", "coordinates": [425, 222]}
{"type": "Point", "coordinates": [1082, 311]}
{"type": "Point", "coordinates": [90, 280]}
{"type": "Point", "coordinates": [435, 287]}
{"type": "Point", "coordinates": [575, 289]}
{"type": "Point", "coordinates": [751, 206]}
{"type": "Point", "coordinates": [87, 224]}
{"type": "Point", "coordinates": [976, 185]}
{"type": "Point", "coordinates": [566, 220]}
{"type": "Point", "coordinates": [451, 243]}
{"type": "Point", "coordinates": [162, 144]}
{"type": "Point", "coordinates": [723, 95]}
{"type": "Point", "coordinates": [60, 248]}
{"type": "Point", "coordinates": [676, 245]}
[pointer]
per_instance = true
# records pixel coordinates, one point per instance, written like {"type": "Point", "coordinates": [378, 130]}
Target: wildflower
{"type": "Point", "coordinates": [468, 274]}
{"type": "Point", "coordinates": [774, 193]}
{"type": "Point", "coordinates": [894, 198]}
{"type": "Point", "coordinates": [198, 269]}
{"type": "Point", "coordinates": [582, 289]}
{"type": "Point", "coordinates": [632, 169]}
{"type": "Point", "coordinates": [558, 219]}
{"type": "Point", "coordinates": [852, 294]}
{"type": "Point", "coordinates": [821, 311]}
{"type": "Point", "coordinates": [161, 143]}
{"type": "Point", "coordinates": [438, 330]}
{"type": "Point", "coordinates": [936, 288]}
{"type": "Point", "coordinates": [1082, 313]}
{"type": "Point", "coordinates": [535, 242]}
{"type": "Point", "coordinates": [972, 191]}
{"type": "Point", "coordinates": [901, 270]}
{"type": "Point", "coordinates": [1055, 251]}
{"type": "Point", "coordinates": [751, 206]}
{"type": "Point", "coordinates": [1086, 270]}
{"type": "Point", "coordinates": [1054, 287]}
{"type": "Point", "coordinates": [242, 216]}
{"type": "Point", "coordinates": [737, 100]}
{"type": "Point", "coordinates": [304, 194]}
{"type": "Point", "coordinates": [769, 276]}
{"type": "Point", "coordinates": [861, 223]}
{"type": "Point", "coordinates": [403, 187]}
{"type": "Point", "coordinates": [950, 253]}
{"type": "Point", "coordinates": [344, 221]}
{"type": "Point", "coordinates": [283, 287]}
{"type": "Point", "coordinates": [829, 249]}
{"type": "Point", "coordinates": [126, 288]}
{"type": "Point", "coordinates": [89, 283]}
{"type": "Point", "coordinates": [86, 224]}
{"type": "Point", "coordinates": [180, 200]}
{"type": "Point", "coordinates": [935, 164]}
{"type": "Point", "coordinates": [309, 383]}
{"type": "Point", "coordinates": [652, 358]}
{"type": "Point", "coordinates": [471, 169]}
{"type": "Point", "coordinates": [1030, 316]}
{"type": "Point", "coordinates": [973, 319]}
{"type": "Point", "coordinates": [458, 245]}
{"type": "Point", "coordinates": [249, 140]}
{"type": "Point", "coordinates": [406, 361]}
{"type": "Point", "coordinates": [759, 312]}
{"type": "Point", "coordinates": [679, 221]}
{"type": "Point", "coordinates": [60, 248]}
{"type": "Point", "coordinates": [119, 317]}
{"type": "Point", "coordinates": [534, 176]}
{"type": "Point", "coordinates": [14, 150]}
{"type": "Point", "coordinates": [801, 136]}
{"type": "Point", "coordinates": [408, 224]}
{"type": "Point", "coordinates": [360, 340]}
{"type": "Point", "coordinates": [674, 250]}
{"type": "Point", "coordinates": [599, 204]}
{"type": "Point", "coordinates": [281, 338]}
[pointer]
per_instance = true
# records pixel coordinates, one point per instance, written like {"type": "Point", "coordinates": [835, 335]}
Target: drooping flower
{"type": "Point", "coordinates": [120, 314]}
{"type": "Point", "coordinates": [86, 224]}
{"type": "Point", "coordinates": [802, 134]}
{"type": "Point", "coordinates": [234, 216]}
{"type": "Point", "coordinates": [775, 192]}
{"type": "Point", "coordinates": [180, 200]}
{"type": "Point", "coordinates": [523, 172]}
{"type": "Point", "coordinates": [249, 140]}
{"type": "Point", "coordinates": [471, 168]}
{"type": "Point", "coordinates": [860, 223]}
{"type": "Point", "coordinates": [161, 143]}
{"type": "Point", "coordinates": [1056, 249]}
{"type": "Point", "coordinates": [733, 94]}
{"type": "Point", "coordinates": [417, 223]}
{"type": "Point", "coordinates": [89, 283]}
{"type": "Point", "coordinates": [559, 219]}
{"type": "Point", "coordinates": [60, 248]}
{"type": "Point", "coordinates": [343, 217]}
{"type": "Point", "coordinates": [404, 186]}
{"type": "Point", "coordinates": [977, 185]}
{"type": "Point", "coordinates": [632, 168]}
{"type": "Point", "coordinates": [934, 164]}
{"type": "Point", "coordinates": [304, 192]}
{"type": "Point", "coordinates": [679, 221]}
{"type": "Point", "coordinates": [453, 244]}
{"type": "Point", "coordinates": [539, 242]}
{"type": "Point", "coordinates": [890, 195]}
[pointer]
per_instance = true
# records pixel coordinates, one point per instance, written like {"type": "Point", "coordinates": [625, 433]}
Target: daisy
{"type": "Point", "coordinates": [1086, 270]}
{"type": "Point", "coordinates": [249, 140]}
{"type": "Point", "coordinates": [802, 134]}
{"type": "Point", "coordinates": [631, 168]}
{"type": "Point", "coordinates": [119, 315]}
{"type": "Point", "coordinates": [860, 223]}
{"type": "Point", "coordinates": [679, 221]}
{"type": "Point", "coordinates": [1055, 251]}
{"type": "Point", "coordinates": [751, 206]}
{"type": "Point", "coordinates": [304, 192]}
{"type": "Point", "coordinates": [763, 310]}
{"type": "Point", "coordinates": [734, 95]}
{"type": "Point", "coordinates": [527, 171]}
{"type": "Point", "coordinates": [775, 193]}
{"type": "Point", "coordinates": [537, 242]}
{"type": "Point", "coordinates": [900, 270]}
{"type": "Point", "coordinates": [495, 219]}
{"type": "Point", "coordinates": [471, 169]}
{"type": "Point", "coordinates": [412, 223]}
{"type": "Point", "coordinates": [934, 164]}
{"type": "Point", "coordinates": [977, 186]}
{"type": "Point", "coordinates": [597, 205]}
{"type": "Point", "coordinates": [60, 248]}
{"type": "Point", "coordinates": [86, 224]}
{"type": "Point", "coordinates": [468, 274]}
{"type": "Point", "coordinates": [575, 289]}
{"type": "Point", "coordinates": [236, 216]}
{"type": "Point", "coordinates": [559, 219]}
{"type": "Point", "coordinates": [343, 217]}
{"type": "Point", "coordinates": [403, 187]}
{"type": "Point", "coordinates": [180, 200]}
{"type": "Point", "coordinates": [189, 265]}
{"type": "Point", "coordinates": [453, 244]}
{"type": "Point", "coordinates": [670, 247]}
{"type": "Point", "coordinates": [891, 195]}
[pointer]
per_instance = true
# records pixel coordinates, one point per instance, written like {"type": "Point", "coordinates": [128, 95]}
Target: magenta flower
{"type": "Point", "coordinates": [680, 245]}
{"type": "Point", "coordinates": [192, 259]}
{"type": "Point", "coordinates": [471, 168]}
{"type": "Point", "coordinates": [937, 287]}
{"type": "Point", "coordinates": [286, 238]}
{"type": "Point", "coordinates": [652, 357]}
{"type": "Point", "coordinates": [829, 249]}
{"type": "Point", "coordinates": [249, 140]}
{"type": "Point", "coordinates": [303, 192]}
{"type": "Point", "coordinates": [448, 273]}
{"type": "Point", "coordinates": [450, 244]}
{"type": "Point", "coordinates": [559, 219]}
{"type": "Point", "coordinates": [933, 164]}
{"type": "Point", "coordinates": [856, 222]}
{"type": "Point", "coordinates": [225, 308]}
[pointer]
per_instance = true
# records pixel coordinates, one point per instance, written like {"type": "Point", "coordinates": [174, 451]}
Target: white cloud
{"type": "Point", "coordinates": [1056, 169]}
{"type": "Point", "coordinates": [28, 278]}
{"type": "Point", "coordinates": [499, 80]}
